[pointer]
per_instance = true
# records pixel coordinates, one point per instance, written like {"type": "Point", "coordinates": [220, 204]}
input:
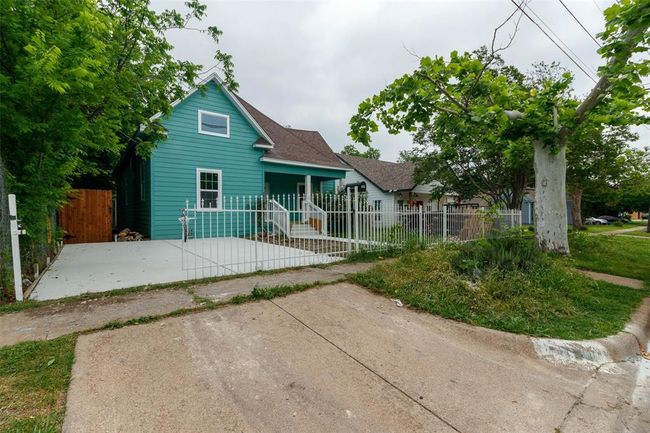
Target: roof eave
{"type": "Point", "coordinates": [302, 164]}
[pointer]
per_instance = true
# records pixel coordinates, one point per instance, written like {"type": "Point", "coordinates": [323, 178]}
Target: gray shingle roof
{"type": "Point", "coordinates": [293, 144]}
{"type": "Point", "coordinates": [387, 176]}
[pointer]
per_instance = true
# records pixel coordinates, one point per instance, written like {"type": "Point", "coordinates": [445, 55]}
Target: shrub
{"type": "Point", "coordinates": [618, 223]}
{"type": "Point", "coordinates": [506, 251]}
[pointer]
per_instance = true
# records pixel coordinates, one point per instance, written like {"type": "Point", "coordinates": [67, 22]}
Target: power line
{"type": "Point", "coordinates": [590, 68]}
{"type": "Point", "coordinates": [553, 40]}
{"type": "Point", "coordinates": [579, 23]}
{"type": "Point", "coordinates": [598, 7]}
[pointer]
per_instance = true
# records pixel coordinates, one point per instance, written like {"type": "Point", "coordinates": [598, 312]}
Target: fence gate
{"type": "Point", "coordinates": [87, 217]}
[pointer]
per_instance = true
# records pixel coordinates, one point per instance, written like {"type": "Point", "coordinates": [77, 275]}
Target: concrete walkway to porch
{"type": "Point", "coordinates": [100, 267]}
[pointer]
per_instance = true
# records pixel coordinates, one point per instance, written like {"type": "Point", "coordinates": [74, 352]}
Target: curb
{"type": "Point", "coordinates": [592, 354]}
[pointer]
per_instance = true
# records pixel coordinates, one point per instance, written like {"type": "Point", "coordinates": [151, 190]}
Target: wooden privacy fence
{"type": "Point", "coordinates": [87, 217]}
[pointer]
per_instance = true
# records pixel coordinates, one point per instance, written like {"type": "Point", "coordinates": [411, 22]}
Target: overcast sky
{"type": "Point", "coordinates": [308, 64]}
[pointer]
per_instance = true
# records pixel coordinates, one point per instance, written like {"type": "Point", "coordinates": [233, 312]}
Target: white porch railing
{"type": "Point", "coordinates": [278, 215]}
{"type": "Point", "coordinates": [247, 234]}
{"type": "Point", "coordinates": [315, 216]}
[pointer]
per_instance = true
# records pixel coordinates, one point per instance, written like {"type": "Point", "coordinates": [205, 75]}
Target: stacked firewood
{"type": "Point", "coordinates": [128, 235]}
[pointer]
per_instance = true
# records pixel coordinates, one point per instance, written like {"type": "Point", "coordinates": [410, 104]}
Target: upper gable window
{"type": "Point", "coordinates": [214, 124]}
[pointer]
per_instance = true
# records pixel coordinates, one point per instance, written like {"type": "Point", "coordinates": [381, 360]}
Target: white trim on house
{"type": "Point", "coordinates": [200, 114]}
{"type": "Point", "coordinates": [302, 164]}
{"type": "Point", "coordinates": [198, 188]}
{"type": "Point", "coordinates": [214, 77]}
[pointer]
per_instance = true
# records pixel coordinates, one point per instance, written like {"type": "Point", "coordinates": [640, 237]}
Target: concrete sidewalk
{"type": "Point", "coordinates": [60, 319]}
{"type": "Point", "coordinates": [337, 358]}
{"type": "Point", "coordinates": [614, 279]}
{"type": "Point", "coordinates": [618, 232]}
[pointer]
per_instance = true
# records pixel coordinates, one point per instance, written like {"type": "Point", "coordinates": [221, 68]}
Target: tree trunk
{"type": "Point", "coordinates": [550, 199]}
{"type": "Point", "coordinates": [576, 203]}
{"type": "Point", "coordinates": [648, 227]}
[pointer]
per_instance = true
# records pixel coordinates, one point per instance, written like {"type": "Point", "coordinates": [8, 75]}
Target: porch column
{"type": "Point", "coordinates": [308, 188]}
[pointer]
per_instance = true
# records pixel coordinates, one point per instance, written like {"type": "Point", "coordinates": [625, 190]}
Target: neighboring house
{"type": "Point", "coordinates": [390, 185]}
{"type": "Point", "coordinates": [218, 146]}
{"type": "Point", "coordinates": [528, 208]}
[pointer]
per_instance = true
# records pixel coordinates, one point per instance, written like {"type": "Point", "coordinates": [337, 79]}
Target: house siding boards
{"type": "Point", "coordinates": [372, 191]}
{"type": "Point", "coordinates": [170, 174]}
{"type": "Point", "coordinates": [174, 162]}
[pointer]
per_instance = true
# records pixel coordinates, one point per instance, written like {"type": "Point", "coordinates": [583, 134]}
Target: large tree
{"type": "Point", "coordinates": [369, 152]}
{"type": "Point", "coordinates": [595, 161]}
{"type": "Point", "coordinates": [464, 93]}
{"type": "Point", "coordinates": [79, 81]}
{"type": "Point", "coordinates": [633, 190]}
{"type": "Point", "coordinates": [498, 170]}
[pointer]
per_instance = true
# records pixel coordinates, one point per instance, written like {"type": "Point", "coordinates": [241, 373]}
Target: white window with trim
{"type": "Point", "coordinates": [214, 124]}
{"type": "Point", "coordinates": [377, 207]}
{"type": "Point", "coordinates": [208, 189]}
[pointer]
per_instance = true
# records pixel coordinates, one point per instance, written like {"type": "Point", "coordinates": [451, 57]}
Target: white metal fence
{"type": "Point", "coordinates": [252, 233]}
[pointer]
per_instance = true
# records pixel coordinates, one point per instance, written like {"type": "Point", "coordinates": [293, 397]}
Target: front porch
{"type": "Point", "coordinates": [294, 199]}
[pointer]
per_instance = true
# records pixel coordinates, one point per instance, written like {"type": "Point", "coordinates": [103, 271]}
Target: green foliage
{"type": "Point", "coordinates": [464, 99]}
{"type": "Point", "coordinates": [79, 82]}
{"type": "Point", "coordinates": [34, 378]}
{"type": "Point", "coordinates": [627, 192]}
{"type": "Point", "coordinates": [370, 152]}
{"type": "Point", "coordinates": [509, 251]}
{"type": "Point", "coordinates": [545, 301]}
{"type": "Point", "coordinates": [616, 255]}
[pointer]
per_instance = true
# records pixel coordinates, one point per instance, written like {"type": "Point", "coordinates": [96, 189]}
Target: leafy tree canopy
{"type": "Point", "coordinates": [462, 97]}
{"type": "Point", "coordinates": [79, 81]}
{"type": "Point", "coordinates": [370, 152]}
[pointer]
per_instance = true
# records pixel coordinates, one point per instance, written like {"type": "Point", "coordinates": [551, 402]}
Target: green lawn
{"type": "Point", "coordinates": [548, 300]}
{"type": "Point", "coordinates": [612, 227]}
{"type": "Point", "coordinates": [34, 379]}
{"type": "Point", "coordinates": [637, 233]}
{"type": "Point", "coordinates": [617, 255]}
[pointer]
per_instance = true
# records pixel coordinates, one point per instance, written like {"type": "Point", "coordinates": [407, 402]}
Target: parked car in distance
{"type": "Point", "coordinates": [595, 221]}
{"type": "Point", "coordinates": [610, 219]}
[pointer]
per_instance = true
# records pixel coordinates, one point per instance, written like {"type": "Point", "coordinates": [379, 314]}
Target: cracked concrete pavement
{"type": "Point", "coordinates": [339, 358]}
{"type": "Point", "coordinates": [59, 319]}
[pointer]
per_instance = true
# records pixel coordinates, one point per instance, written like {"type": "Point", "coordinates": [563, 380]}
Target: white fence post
{"type": "Point", "coordinates": [444, 223]}
{"type": "Point", "coordinates": [356, 218]}
{"type": "Point", "coordinates": [348, 218]}
{"type": "Point", "coordinates": [15, 246]}
{"type": "Point", "coordinates": [420, 225]}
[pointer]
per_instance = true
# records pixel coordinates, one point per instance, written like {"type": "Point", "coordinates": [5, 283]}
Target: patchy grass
{"type": "Point", "coordinates": [34, 379]}
{"type": "Point", "coordinates": [545, 300]}
{"type": "Point", "coordinates": [642, 233]}
{"type": "Point", "coordinates": [617, 255]}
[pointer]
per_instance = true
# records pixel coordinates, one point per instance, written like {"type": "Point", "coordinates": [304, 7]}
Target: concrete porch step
{"type": "Point", "coordinates": [299, 229]}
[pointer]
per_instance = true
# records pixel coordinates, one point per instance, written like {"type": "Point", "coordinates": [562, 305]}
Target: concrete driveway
{"type": "Point", "coordinates": [337, 358]}
{"type": "Point", "coordinates": [100, 267]}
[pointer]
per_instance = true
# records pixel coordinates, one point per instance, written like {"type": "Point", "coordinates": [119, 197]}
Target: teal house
{"type": "Point", "coordinates": [218, 148]}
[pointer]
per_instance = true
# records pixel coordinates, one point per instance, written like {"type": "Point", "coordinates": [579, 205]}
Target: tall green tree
{"type": "Point", "coordinates": [79, 81]}
{"type": "Point", "coordinates": [633, 190]}
{"type": "Point", "coordinates": [596, 160]}
{"type": "Point", "coordinates": [463, 94]}
{"type": "Point", "coordinates": [370, 152]}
